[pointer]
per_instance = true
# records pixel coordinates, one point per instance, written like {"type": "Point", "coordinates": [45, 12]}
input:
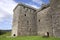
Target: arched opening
{"type": "Point", "coordinates": [47, 34]}
{"type": "Point", "coordinates": [14, 35]}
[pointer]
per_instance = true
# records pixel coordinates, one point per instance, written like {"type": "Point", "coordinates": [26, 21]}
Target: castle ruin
{"type": "Point", "coordinates": [29, 21]}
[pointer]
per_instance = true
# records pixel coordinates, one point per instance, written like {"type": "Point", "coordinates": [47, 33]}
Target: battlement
{"type": "Point", "coordinates": [24, 5]}
{"type": "Point", "coordinates": [43, 7]}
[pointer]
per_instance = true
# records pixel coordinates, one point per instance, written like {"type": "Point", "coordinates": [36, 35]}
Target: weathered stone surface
{"type": "Point", "coordinates": [55, 11]}
{"type": "Point", "coordinates": [24, 22]}
{"type": "Point", "coordinates": [15, 21]}
{"type": "Point", "coordinates": [44, 22]}
{"type": "Point", "coordinates": [30, 21]}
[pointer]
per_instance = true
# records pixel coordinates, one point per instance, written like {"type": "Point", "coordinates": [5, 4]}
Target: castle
{"type": "Point", "coordinates": [29, 21]}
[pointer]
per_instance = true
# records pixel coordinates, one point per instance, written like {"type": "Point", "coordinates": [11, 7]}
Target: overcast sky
{"type": "Point", "coordinates": [6, 10]}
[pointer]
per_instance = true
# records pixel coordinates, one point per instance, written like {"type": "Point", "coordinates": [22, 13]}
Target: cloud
{"type": "Point", "coordinates": [6, 8]}
{"type": "Point", "coordinates": [6, 12]}
{"type": "Point", "coordinates": [29, 2]}
{"type": "Point", "coordinates": [32, 5]}
{"type": "Point", "coordinates": [38, 1]}
{"type": "Point", "coordinates": [3, 14]}
{"type": "Point", "coordinates": [7, 5]}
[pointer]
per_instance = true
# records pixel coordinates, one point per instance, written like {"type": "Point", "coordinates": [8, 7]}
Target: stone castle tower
{"type": "Point", "coordinates": [24, 21]}
{"type": "Point", "coordinates": [30, 21]}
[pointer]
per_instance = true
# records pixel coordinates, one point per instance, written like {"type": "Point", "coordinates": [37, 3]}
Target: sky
{"type": "Point", "coordinates": [6, 10]}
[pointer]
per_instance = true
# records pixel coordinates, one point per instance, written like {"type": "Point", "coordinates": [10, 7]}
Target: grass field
{"type": "Point", "coordinates": [7, 37]}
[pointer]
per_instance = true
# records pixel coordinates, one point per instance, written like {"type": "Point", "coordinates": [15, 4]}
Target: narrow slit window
{"type": "Point", "coordinates": [25, 14]}
{"type": "Point", "coordinates": [27, 22]}
{"type": "Point", "coordinates": [39, 20]}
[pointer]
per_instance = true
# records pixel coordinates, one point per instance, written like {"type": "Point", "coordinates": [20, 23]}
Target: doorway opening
{"type": "Point", "coordinates": [14, 35]}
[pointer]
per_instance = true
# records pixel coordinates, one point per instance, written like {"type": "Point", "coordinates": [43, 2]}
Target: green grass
{"type": "Point", "coordinates": [6, 34]}
{"type": "Point", "coordinates": [7, 37]}
{"type": "Point", "coordinates": [28, 38]}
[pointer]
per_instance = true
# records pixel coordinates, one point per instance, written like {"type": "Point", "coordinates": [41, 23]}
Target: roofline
{"type": "Point", "coordinates": [21, 4]}
{"type": "Point", "coordinates": [43, 7]}
{"type": "Point", "coordinates": [42, 10]}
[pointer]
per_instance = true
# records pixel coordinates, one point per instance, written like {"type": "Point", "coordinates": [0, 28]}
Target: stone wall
{"type": "Point", "coordinates": [44, 22]}
{"type": "Point", "coordinates": [55, 11]}
{"type": "Point", "coordinates": [26, 21]}
{"type": "Point", "coordinates": [15, 21]}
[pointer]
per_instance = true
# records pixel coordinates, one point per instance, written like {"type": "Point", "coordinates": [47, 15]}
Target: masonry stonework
{"type": "Point", "coordinates": [29, 21]}
{"type": "Point", "coordinates": [24, 21]}
{"type": "Point", "coordinates": [55, 12]}
{"type": "Point", "coordinates": [44, 22]}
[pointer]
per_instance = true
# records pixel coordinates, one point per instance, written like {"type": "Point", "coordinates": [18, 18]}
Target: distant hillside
{"type": "Point", "coordinates": [4, 31]}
